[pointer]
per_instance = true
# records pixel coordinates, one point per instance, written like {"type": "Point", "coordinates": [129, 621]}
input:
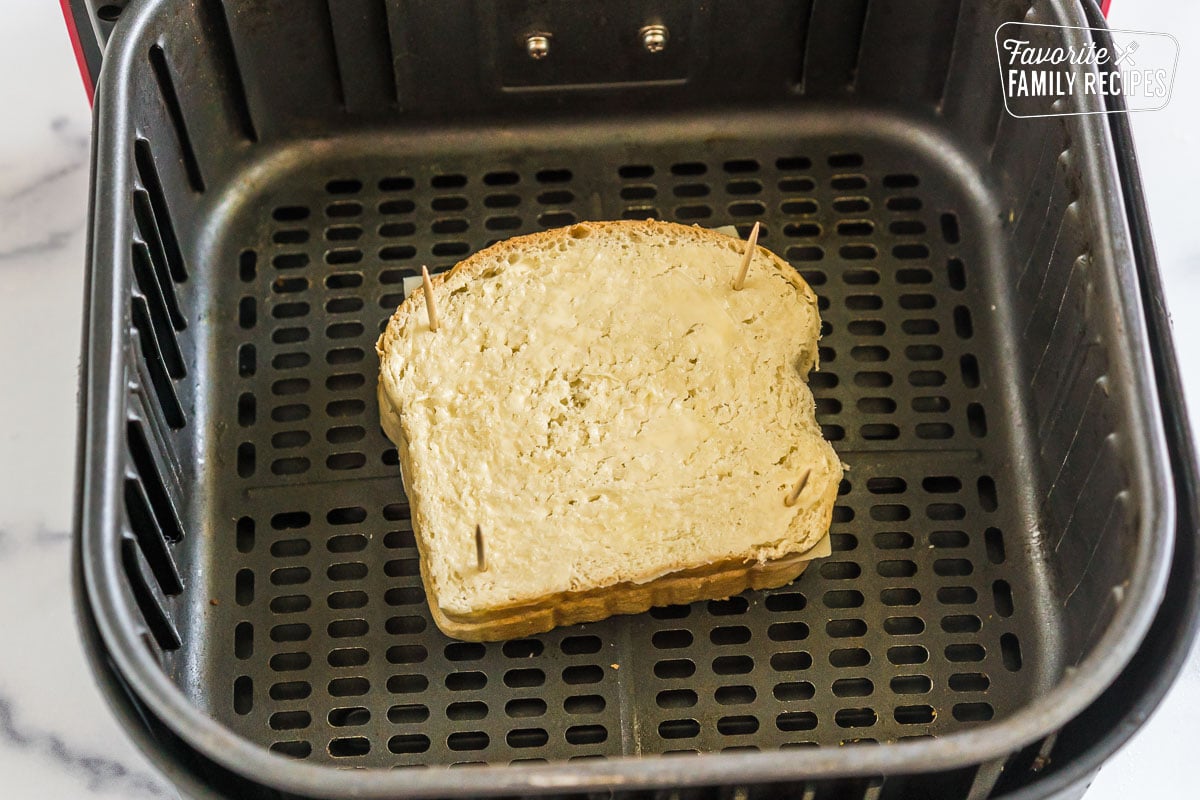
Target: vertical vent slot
{"type": "Point", "coordinates": [226, 56]}
{"type": "Point", "coordinates": [160, 309]}
{"type": "Point", "coordinates": [338, 83]}
{"type": "Point", "coordinates": [804, 28]}
{"type": "Point", "coordinates": [390, 49]}
{"type": "Point", "coordinates": [161, 505]}
{"type": "Point", "coordinates": [148, 175]}
{"type": "Point", "coordinates": [143, 214]}
{"type": "Point", "coordinates": [943, 31]}
{"type": "Point", "coordinates": [166, 88]}
{"type": "Point", "coordinates": [153, 613]}
{"type": "Point", "coordinates": [151, 538]}
{"type": "Point", "coordinates": [362, 48]}
{"type": "Point", "coordinates": [834, 42]}
{"type": "Point", "coordinates": [156, 365]}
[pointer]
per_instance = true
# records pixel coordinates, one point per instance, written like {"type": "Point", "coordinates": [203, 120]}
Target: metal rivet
{"type": "Point", "coordinates": [537, 45]}
{"type": "Point", "coordinates": [655, 38]}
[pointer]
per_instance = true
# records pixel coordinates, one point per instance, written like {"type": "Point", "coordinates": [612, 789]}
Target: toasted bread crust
{"type": "Point", "coordinates": [676, 588]}
{"type": "Point", "coordinates": [680, 587]}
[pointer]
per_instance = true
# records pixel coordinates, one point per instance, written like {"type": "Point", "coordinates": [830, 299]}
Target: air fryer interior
{"type": "Point", "coordinates": [289, 164]}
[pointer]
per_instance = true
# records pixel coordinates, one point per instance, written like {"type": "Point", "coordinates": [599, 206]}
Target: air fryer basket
{"type": "Point", "coordinates": [267, 174]}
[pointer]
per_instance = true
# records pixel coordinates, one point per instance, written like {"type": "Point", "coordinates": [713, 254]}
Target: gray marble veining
{"type": "Point", "coordinates": [99, 774]}
{"type": "Point", "coordinates": [57, 736]}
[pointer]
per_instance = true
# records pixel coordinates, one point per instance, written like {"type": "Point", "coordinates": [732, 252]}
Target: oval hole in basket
{"type": "Point", "coordinates": [896, 568]}
{"type": "Point", "coordinates": [953, 567]}
{"type": "Point", "coordinates": [729, 635]}
{"type": "Point", "coordinates": [578, 645]}
{"type": "Point", "coordinates": [876, 405]}
{"type": "Point", "coordinates": [291, 632]}
{"type": "Point", "coordinates": [404, 596]}
{"type": "Point", "coordinates": [347, 628]}
{"type": "Point", "coordinates": [349, 687]}
{"type": "Point", "coordinates": [344, 461]}
{"type": "Point", "coordinates": [352, 657]}
{"type": "Point", "coordinates": [405, 626]}
{"type": "Point", "coordinates": [671, 639]}
{"type": "Point", "coordinates": [853, 687]}
{"type": "Point", "coordinates": [969, 682]}
{"type": "Point", "coordinates": [735, 665]}
{"type": "Point", "coordinates": [347, 571]}
{"type": "Point", "coordinates": [676, 698]}
{"type": "Point", "coordinates": [735, 695]}
{"type": "Point", "coordinates": [408, 684]}
{"type": "Point", "coordinates": [347, 543]}
{"type": "Point", "coordinates": [348, 599]}
{"type": "Point", "coordinates": [904, 626]}
{"type": "Point", "coordinates": [794, 690]}
{"type": "Point", "coordinates": [243, 640]}
{"type": "Point", "coordinates": [290, 576]}
{"type": "Point", "coordinates": [524, 678]}
{"type": "Point", "coordinates": [787, 601]}
{"type": "Point", "coordinates": [290, 662]}
{"type": "Point", "coordinates": [965, 652]}
{"type": "Point", "coordinates": [956, 595]}
{"type": "Point", "coordinates": [527, 737]}
{"type": "Point", "coordinates": [790, 721]}
{"type": "Point", "coordinates": [973, 712]}
{"type": "Point", "coordinates": [739, 725]}
{"type": "Point", "coordinates": [914, 715]}
{"type": "Point", "coordinates": [893, 540]}
{"type": "Point", "coordinates": [464, 681]}
{"type": "Point", "coordinates": [411, 713]}
{"type": "Point", "coordinates": [290, 690]}
{"type": "Point", "coordinates": [290, 604]}
{"type": "Point", "coordinates": [408, 743]}
{"type": "Point", "coordinates": [785, 632]}
{"type": "Point", "coordinates": [845, 628]}
{"type": "Point", "coordinates": [911, 684]}
{"type": "Point", "coordinates": [849, 657]}
{"type": "Point", "coordinates": [674, 668]}
{"type": "Point", "coordinates": [961, 623]}
{"type": "Point", "coordinates": [844, 598]}
{"type": "Point", "coordinates": [584, 704]}
{"type": "Point", "coordinates": [900, 597]}
{"type": "Point", "coordinates": [796, 185]}
{"type": "Point", "coordinates": [525, 707]}
{"type": "Point", "coordinates": [679, 729]}
{"type": "Point", "coordinates": [522, 648]}
{"type": "Point", "coordinates": [851, 205]}
{"type": "Point", "coordinates": [465, 651]}
{"type": "Point", "coordinates": [1010, 650]}
{"type": "Point", "coordinates": [289, 720]}
{"type": "Point", "coordinates": [907, 654]}
{"type": "Point", "coordinates": [855, 717]}
{"type": "Point", "coordinates": [349, 746]}
{"type": "Point", "coordinates": [583, 674]}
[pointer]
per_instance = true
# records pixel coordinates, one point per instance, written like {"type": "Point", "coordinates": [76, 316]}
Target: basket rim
{"type": "Point", "coordinates": [99, 479]}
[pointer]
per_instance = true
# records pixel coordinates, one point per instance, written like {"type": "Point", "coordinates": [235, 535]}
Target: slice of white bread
{"type": "Point", "coordinates": [624, 428]}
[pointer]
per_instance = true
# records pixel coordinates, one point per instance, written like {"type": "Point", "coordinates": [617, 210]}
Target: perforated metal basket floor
{"type": "Point", "coordinates": [322, 641]}
{"type": "Point", "coordinates": [1000, 540]}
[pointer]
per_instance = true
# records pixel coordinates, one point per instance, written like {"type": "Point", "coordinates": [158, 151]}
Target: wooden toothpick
{"type": "Point", "coordinates": [751, 243]}
{"type": "Point", "coordinates": [427, 288]}
{"type": "Point", "coordinates": [791, 499]}
{"type": "Point", "coordinates": [480, 554]}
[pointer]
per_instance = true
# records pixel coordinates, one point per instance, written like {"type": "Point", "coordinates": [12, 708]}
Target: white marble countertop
{"type": "Point", "coordinates": [57, 738]}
